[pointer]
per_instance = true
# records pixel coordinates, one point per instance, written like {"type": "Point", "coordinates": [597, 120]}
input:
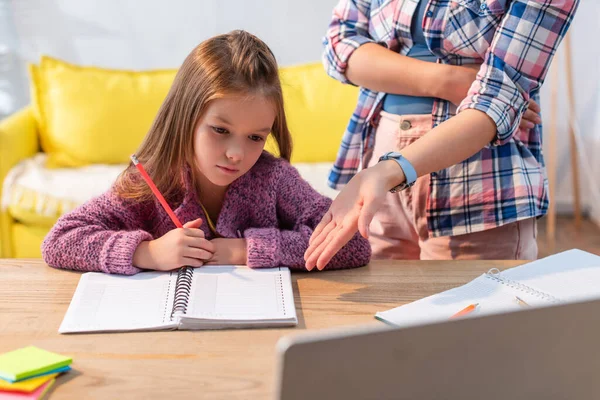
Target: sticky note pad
{"type": "Point", "coordinates": [29, 361]}
{"type": "Point", "coordinates": [26, 385]}
{"type": "Point", "coordinates": [35, 395]}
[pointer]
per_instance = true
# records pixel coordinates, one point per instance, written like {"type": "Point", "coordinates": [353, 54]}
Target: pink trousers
{"type": "Point", "coordinates": [399, 228]}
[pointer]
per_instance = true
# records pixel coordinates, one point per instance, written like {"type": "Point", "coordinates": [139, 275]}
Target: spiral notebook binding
{"type": "Point", "coordinates": [494, 274]}
{"type": "Point", "coordinates": [183, 287]}
{"type": "Point", "coordinates": [280, 293]}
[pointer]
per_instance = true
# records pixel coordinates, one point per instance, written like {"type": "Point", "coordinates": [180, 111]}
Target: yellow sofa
{"type": "Point", "coordinates": [83, 119]}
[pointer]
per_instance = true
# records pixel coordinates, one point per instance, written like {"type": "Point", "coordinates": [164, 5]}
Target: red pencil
{"type": "Point", "coordinates": [159, 196]}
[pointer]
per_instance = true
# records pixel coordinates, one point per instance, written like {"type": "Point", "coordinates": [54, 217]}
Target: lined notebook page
{"type": "Point", "coordinates": [570, 275]}
{"type": "Point", "coordinates": [105, 302]}
{"type": "Point", "coordinates": [240, 293]}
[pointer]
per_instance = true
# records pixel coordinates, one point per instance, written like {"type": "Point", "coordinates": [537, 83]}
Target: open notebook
{"type": "Point", "coordinates": [211, 297]}
{"type": "Point", "coordinates": [569, 276]}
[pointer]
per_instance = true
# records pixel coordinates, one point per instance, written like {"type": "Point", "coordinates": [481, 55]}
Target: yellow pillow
{"type": "Point", "coordinates": [318, 109]}
{"type": "Point", "coordinates": [91, 115]}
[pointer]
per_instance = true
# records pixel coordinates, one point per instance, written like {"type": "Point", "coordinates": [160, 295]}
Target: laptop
{"type": "Point", "coordinates": [542, 353]}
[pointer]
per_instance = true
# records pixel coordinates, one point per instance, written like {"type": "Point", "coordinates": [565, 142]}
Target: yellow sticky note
{"type": "Point", "coordinates": [27, 385]}
{"type": "Point", "coordinates": [28, 362]}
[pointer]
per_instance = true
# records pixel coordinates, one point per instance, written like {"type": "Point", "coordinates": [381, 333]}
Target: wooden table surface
{"type": "Point", "coordinates": [229, 364]}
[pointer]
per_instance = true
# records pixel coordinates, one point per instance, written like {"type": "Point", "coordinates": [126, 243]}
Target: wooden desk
{"type": "Point", "coordinates": [234, 364]}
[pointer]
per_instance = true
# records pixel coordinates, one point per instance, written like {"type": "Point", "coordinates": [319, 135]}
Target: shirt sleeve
{"type": "Point", "coordinates": [517, 61]}
{"type": "Point", "coordinates": [348, 30]}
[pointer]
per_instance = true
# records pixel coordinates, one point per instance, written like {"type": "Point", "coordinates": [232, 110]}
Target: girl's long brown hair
{"type": "Point", "coordinates": [237, 63]}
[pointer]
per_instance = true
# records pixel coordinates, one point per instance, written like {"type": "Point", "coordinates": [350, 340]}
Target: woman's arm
{"type": "Point", "coordinates": [516, 65]}
{"type": "Point", "coordinates": [452, 142]}
{"type": "Point", "coordinates": [352, 56]}
{"type": "Point", "coordinates": [383, 70]}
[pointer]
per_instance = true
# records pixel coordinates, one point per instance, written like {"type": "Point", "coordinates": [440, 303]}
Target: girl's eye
{"type": "Point", "coordinates": [220, 131]}
{"type": "Point", "coordinates": [256, 138]}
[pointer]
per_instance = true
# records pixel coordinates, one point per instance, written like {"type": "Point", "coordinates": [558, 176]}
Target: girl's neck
{"type": "Point", "coordinates": [211, 197]}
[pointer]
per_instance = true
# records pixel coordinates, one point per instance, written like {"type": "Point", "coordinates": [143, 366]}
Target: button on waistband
{"type": "Point", "coordinates": [405, 125]}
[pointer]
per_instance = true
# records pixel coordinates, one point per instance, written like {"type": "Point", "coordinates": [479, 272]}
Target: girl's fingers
{"type": "Point", "coordinates": [200, 254]}
{"type": "Point", "coordinates": [192, 262]}
{"type": "Point", "coordinates": [193, 232]}
{"type": "Point", "coordinates": [193, 224]}
{"type": "Point", "coordinates": [200, 243]}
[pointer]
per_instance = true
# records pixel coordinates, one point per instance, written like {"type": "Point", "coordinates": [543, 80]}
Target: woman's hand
{"type": "Point", "coordinates": [531, 116]}
{"type": "Point", "coordinates": [352, 210]}
{"type": "Point", "coordinates": [228, 252]}
{"type": "Point", "coordinates": [459, 82]}
{"type": "Point", "coordinates": [177, 248]}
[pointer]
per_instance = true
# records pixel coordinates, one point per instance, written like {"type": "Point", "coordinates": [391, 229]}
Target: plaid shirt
{"type": "Point", "coordinates": [515, 41]}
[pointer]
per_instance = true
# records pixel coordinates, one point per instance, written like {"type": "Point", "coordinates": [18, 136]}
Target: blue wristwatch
{"type": "Point", "coordinates": [409, 172]}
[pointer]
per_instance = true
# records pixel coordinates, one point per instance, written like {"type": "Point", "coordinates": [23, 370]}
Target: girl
{"type": "Point", "coordinates": [205, 154]}
{"type": "Point", "coordinates": [481, 180]}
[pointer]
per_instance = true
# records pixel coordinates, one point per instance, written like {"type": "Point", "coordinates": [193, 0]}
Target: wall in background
{"type": "Point", "coordinates": [122, 34]}
{"type": "Point", "coordinates": [13, 82]}
{"type": "Point", "coordinates": [586, 76]}
{"type": "Point", "coordinates": [159, 34]}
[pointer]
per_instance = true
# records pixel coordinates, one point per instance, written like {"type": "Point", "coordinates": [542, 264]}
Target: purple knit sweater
{"type": "Point", "coordinates": [271, 206]}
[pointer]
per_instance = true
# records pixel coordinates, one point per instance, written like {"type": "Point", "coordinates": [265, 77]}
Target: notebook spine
{"type": "Point", "coordinates": [183, 288]}
{"type": "Point", "coordinates": [494, 274]}
{"type": "Point", "coordinates": [280, 292]}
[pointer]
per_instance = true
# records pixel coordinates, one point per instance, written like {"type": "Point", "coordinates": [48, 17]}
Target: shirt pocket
{"type": "Point", "coordinates": [470, 26]}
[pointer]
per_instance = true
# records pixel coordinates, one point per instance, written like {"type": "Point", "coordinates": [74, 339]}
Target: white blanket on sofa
{"type": "Point", "coordinates": [75, 186]}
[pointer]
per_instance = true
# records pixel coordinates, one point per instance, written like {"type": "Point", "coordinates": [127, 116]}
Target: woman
{"type": "Point", "coordinates": [481, 181]}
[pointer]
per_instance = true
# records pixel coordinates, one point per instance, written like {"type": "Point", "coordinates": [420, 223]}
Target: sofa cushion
{"type": "Point", "coordinates": [89, 115]}
{"type": "Point", "coordinates": [318, 109]}
{"type": "Point", "coordinates": [36, 195]}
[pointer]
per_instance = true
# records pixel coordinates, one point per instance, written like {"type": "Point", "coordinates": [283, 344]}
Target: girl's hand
{"type": "Point", "coordinates": [228, 252]}
{"type": "Point", "coordinates": [177, 248]}
{"type": "Point", "coordinates": [352, 210]}
{"type": "Point", "coordinates": [460, 82]}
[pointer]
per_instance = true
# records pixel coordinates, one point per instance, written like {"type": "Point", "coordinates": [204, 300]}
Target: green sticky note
{"type": "Point", "coordinates": [29, 361]}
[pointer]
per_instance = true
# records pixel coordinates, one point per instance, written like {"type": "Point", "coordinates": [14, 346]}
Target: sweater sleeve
{"type": "Point", "coordinates": [299, 210]}
{"type": "Point", "coordinates": [100, 235]}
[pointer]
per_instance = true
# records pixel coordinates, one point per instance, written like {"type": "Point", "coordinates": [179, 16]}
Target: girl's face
{"type": "Point", "coordinates": [230, 137]}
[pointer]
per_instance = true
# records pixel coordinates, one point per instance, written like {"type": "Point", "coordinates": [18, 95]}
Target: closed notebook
{"type": "Point", "coordinates": [35, 395]}
{"type": "Point", "coordinates": [28, 362]}
{"type": "Point", "coordinates": [210, 297]}
{"type": "Point", "coordinates": [569, 276]}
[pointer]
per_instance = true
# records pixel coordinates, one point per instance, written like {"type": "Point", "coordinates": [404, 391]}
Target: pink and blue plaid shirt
{"type": "Point", "coordinates": [515, 41]}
